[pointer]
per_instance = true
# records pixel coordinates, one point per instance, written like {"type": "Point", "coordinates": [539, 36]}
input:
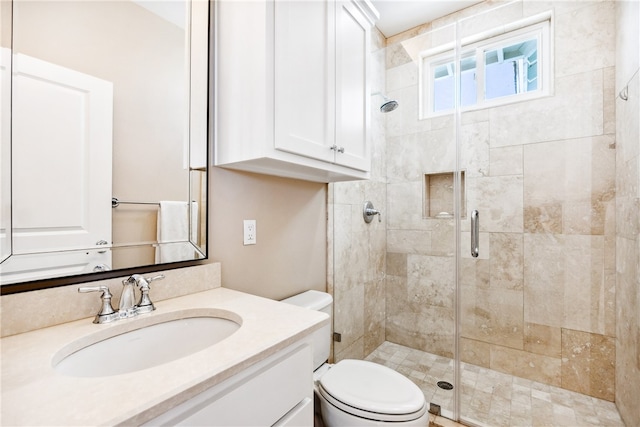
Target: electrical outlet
{"type": "Point", "coordinates": [249, 232]}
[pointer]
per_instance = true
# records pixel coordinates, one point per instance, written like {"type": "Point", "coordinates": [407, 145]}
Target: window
{"type": "Point", "coordinates": [493, 71]}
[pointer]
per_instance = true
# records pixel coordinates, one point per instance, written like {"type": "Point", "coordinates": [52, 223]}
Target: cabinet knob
{"type": "Point", "coordinates": [338, 149]}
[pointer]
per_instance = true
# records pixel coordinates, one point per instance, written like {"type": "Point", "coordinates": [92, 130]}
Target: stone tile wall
{"type": "Point", "coordinates": [356, 250]}
{"type": "Point", "coordinates": [628, 212]}
{"type": "Point", "coordinates": [539, 302]}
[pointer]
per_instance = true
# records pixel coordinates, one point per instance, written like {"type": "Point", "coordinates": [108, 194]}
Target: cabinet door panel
{"type": "Point", "coordinates": [353, 98]}
{"type": "Point", "coordinates": [304, 84]}
{"type": "Point", "coordinates": [66, 205]}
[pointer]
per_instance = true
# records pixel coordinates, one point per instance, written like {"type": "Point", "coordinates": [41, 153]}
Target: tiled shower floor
{"type": "Point", "coordinates": [491, 398]}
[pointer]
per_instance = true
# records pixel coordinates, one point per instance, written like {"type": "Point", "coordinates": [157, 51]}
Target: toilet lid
{"type": "Point", "coordinates": [373, 388]}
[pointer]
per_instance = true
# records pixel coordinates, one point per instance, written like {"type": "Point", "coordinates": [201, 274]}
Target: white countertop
{"type": "Point", "coordinates": [33, 393]}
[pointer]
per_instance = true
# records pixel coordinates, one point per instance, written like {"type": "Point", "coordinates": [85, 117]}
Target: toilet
{"type": "Point", "coordinates": [358, 392]}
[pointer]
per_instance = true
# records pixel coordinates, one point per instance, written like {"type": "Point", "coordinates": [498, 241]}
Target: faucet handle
{"type": "Point", "coordinates": [106, 313]}
{"type": "Point", "coordinates": [145, 305]}
{"type": "Point", "coordinates": [151, 279]}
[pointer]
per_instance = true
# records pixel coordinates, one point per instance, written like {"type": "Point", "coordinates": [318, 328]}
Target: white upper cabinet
{"type": "Point", "coordinates": [292, 88]}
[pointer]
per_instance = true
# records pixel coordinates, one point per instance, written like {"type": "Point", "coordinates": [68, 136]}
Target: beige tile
{"type": "Point", "coordinates": [585, 38]}
{"type": "Point", "coordinates": [628, 31]}
{"type": "Point", "coordinates": [603, 303]}
{"type": "Point", "coordinates": [475, 272]}
{"type": "Point", "coordinates": [396, 55]}
{"type": "Point", "coordinates": [405, 119]}
{"type": "Point", "coordinates": [544, 279]}
{"type": "Point", "coordinates": [542, 339]}
{"type": "Point", "coordinates": [543, 218]}
{"type": "Point", "coordinates": [430, 281]}
{"type": "Point", "coordinates": [416, 45]}
{"type": "Point", "coordinates": [373, 337]}
{"type": "Point", "coordinates": [526, 365]}
{"type": "Point", "coordinates": [488, 16]}
{"type": "Point", "coordinates": [507, 261]}
{"type": "Point", "coordinates": [512, 401]}
{"type": "Point", "coordinates": [506, 161]}
{"type": "Point", "coordinates": [354, 351]}
{"type": "Point", "coordinates": [348, 316]}
{"type": "Point", "coordinates": [431, 330]}
{"type": "Point", "coordinates": [499, 201]}
{"type": "Point", "coordinates": [396, 264]}
{"type": "Point", "coordinates": [588, 362]}
{"type": "Point", "coordinates": [409, 241]}
{"type": "Point", "coordinates": [609, 107]}
{"type": "Point", "coordinates": [559, 7]}
{"type": "Point", "coordinates": [474, 148]}
{"type": "Point", "coordinates": [442, 238]}
{"type": "Point", "coordinates": [574, 111]}
{"type": "Point", "coordinates": [374, 304]}
{"type": "Point", "coordinates": [414, 154]}
{"type": "Point", "coordinates": [404, 205]}
{"type": "Point", "coordinates": [569, 185]}
{"type": "Point", "coordinates": [475, 352]}
{"type": "Point", "coordinates": [627, 149]}
{"type": "Point", "coordinates": [564, 280]}
{"type": "Point", "coordinates": [492, 316]}
{"type": "Point", "coordinates": [401, 76]}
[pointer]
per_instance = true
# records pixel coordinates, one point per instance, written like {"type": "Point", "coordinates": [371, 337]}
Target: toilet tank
{"type": "Point", "coordinates": [319, 301]}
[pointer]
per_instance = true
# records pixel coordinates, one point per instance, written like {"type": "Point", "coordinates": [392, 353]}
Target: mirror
{"type": "Point", "coordinates": [103, 119]}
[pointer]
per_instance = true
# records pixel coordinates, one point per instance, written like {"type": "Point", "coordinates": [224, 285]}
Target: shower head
{"type": "Point", "coordinates": [388, 104]}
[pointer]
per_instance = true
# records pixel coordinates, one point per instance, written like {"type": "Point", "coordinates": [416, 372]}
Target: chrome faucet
{"type": "Point", "coordinates": [144, 303]}
{"type": "Point", "coordinates": [127, 307]}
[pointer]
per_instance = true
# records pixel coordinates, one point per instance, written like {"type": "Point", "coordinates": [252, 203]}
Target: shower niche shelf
{"type": "Point", "coordinates": [439, 195]}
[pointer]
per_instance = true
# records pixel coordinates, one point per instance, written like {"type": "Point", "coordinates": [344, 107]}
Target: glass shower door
{"type": "Point", "coordinates": [421, 205]}
{"type": "Point", "coordinates": [536, 144]}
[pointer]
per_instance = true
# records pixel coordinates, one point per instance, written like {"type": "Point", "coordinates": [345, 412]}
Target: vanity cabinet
{"type": "Point", "coordinates": [277, 391]}
{"type": "Point", "coordinates": [293, 96]}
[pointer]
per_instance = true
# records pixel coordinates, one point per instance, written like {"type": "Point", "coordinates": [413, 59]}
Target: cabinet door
{"type": "Point", "coordinates": [66, 204]}
{"type": "Point", "coordinates": [304, 78]}
{"type": "Point", "coordinates": [352, 89]}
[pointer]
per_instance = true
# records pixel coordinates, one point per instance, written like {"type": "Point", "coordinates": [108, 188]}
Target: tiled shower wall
{"type": "Point", "coordinates": [356, 250]}
{"type": "Point", "coordinates": [628, 213]}
{"type": "Point", "coordinates": [539, 302]}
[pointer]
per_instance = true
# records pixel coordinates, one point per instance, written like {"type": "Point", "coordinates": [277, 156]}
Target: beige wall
{"type": "Point", "coordinates": [143, 56]}
{"type": "Point", "coordinates": [291, 215]}
{"type": "Point", "coordinates": [628, 212]}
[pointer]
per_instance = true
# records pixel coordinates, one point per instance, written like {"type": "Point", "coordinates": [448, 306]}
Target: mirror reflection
{"type": "Point", "coordinates": [106, 166]}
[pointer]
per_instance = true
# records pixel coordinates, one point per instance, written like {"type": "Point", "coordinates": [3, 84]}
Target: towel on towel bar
{"type": "Point", "coordinates": [173, 231]}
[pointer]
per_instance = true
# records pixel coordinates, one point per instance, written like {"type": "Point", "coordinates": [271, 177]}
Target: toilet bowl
{"type": "Point", "coordinates": [358, 392]}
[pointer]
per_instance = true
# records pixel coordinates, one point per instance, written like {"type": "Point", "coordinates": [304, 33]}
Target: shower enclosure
{"type": "Point", "coordinates": [491, 280]}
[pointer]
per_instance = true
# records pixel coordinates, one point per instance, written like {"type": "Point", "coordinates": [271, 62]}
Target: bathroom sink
{"type": "Point", "coordinates": [143, 348]}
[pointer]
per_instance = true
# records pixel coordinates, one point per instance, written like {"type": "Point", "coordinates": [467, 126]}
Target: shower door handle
{"type": "Point", "coordinates": [475, 233]}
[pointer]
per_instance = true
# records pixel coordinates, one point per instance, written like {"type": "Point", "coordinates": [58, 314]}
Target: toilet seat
{"type": "Point", "coordinates": [372, 391]}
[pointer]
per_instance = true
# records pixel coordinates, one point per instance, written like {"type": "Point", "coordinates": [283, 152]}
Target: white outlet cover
{"type": "Point", "coordinates": [249, 234]}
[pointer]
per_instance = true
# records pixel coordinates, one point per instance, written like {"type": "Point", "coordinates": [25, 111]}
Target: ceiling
{"type": "Point", "coordinates": [397, 16]}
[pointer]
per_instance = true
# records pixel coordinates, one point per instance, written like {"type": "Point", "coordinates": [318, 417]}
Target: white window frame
{"type": "Point", "coordinates": [537, 27]}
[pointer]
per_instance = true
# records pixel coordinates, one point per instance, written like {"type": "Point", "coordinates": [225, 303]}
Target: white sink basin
{"type": "Point", "coordinates": [146, 347]}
